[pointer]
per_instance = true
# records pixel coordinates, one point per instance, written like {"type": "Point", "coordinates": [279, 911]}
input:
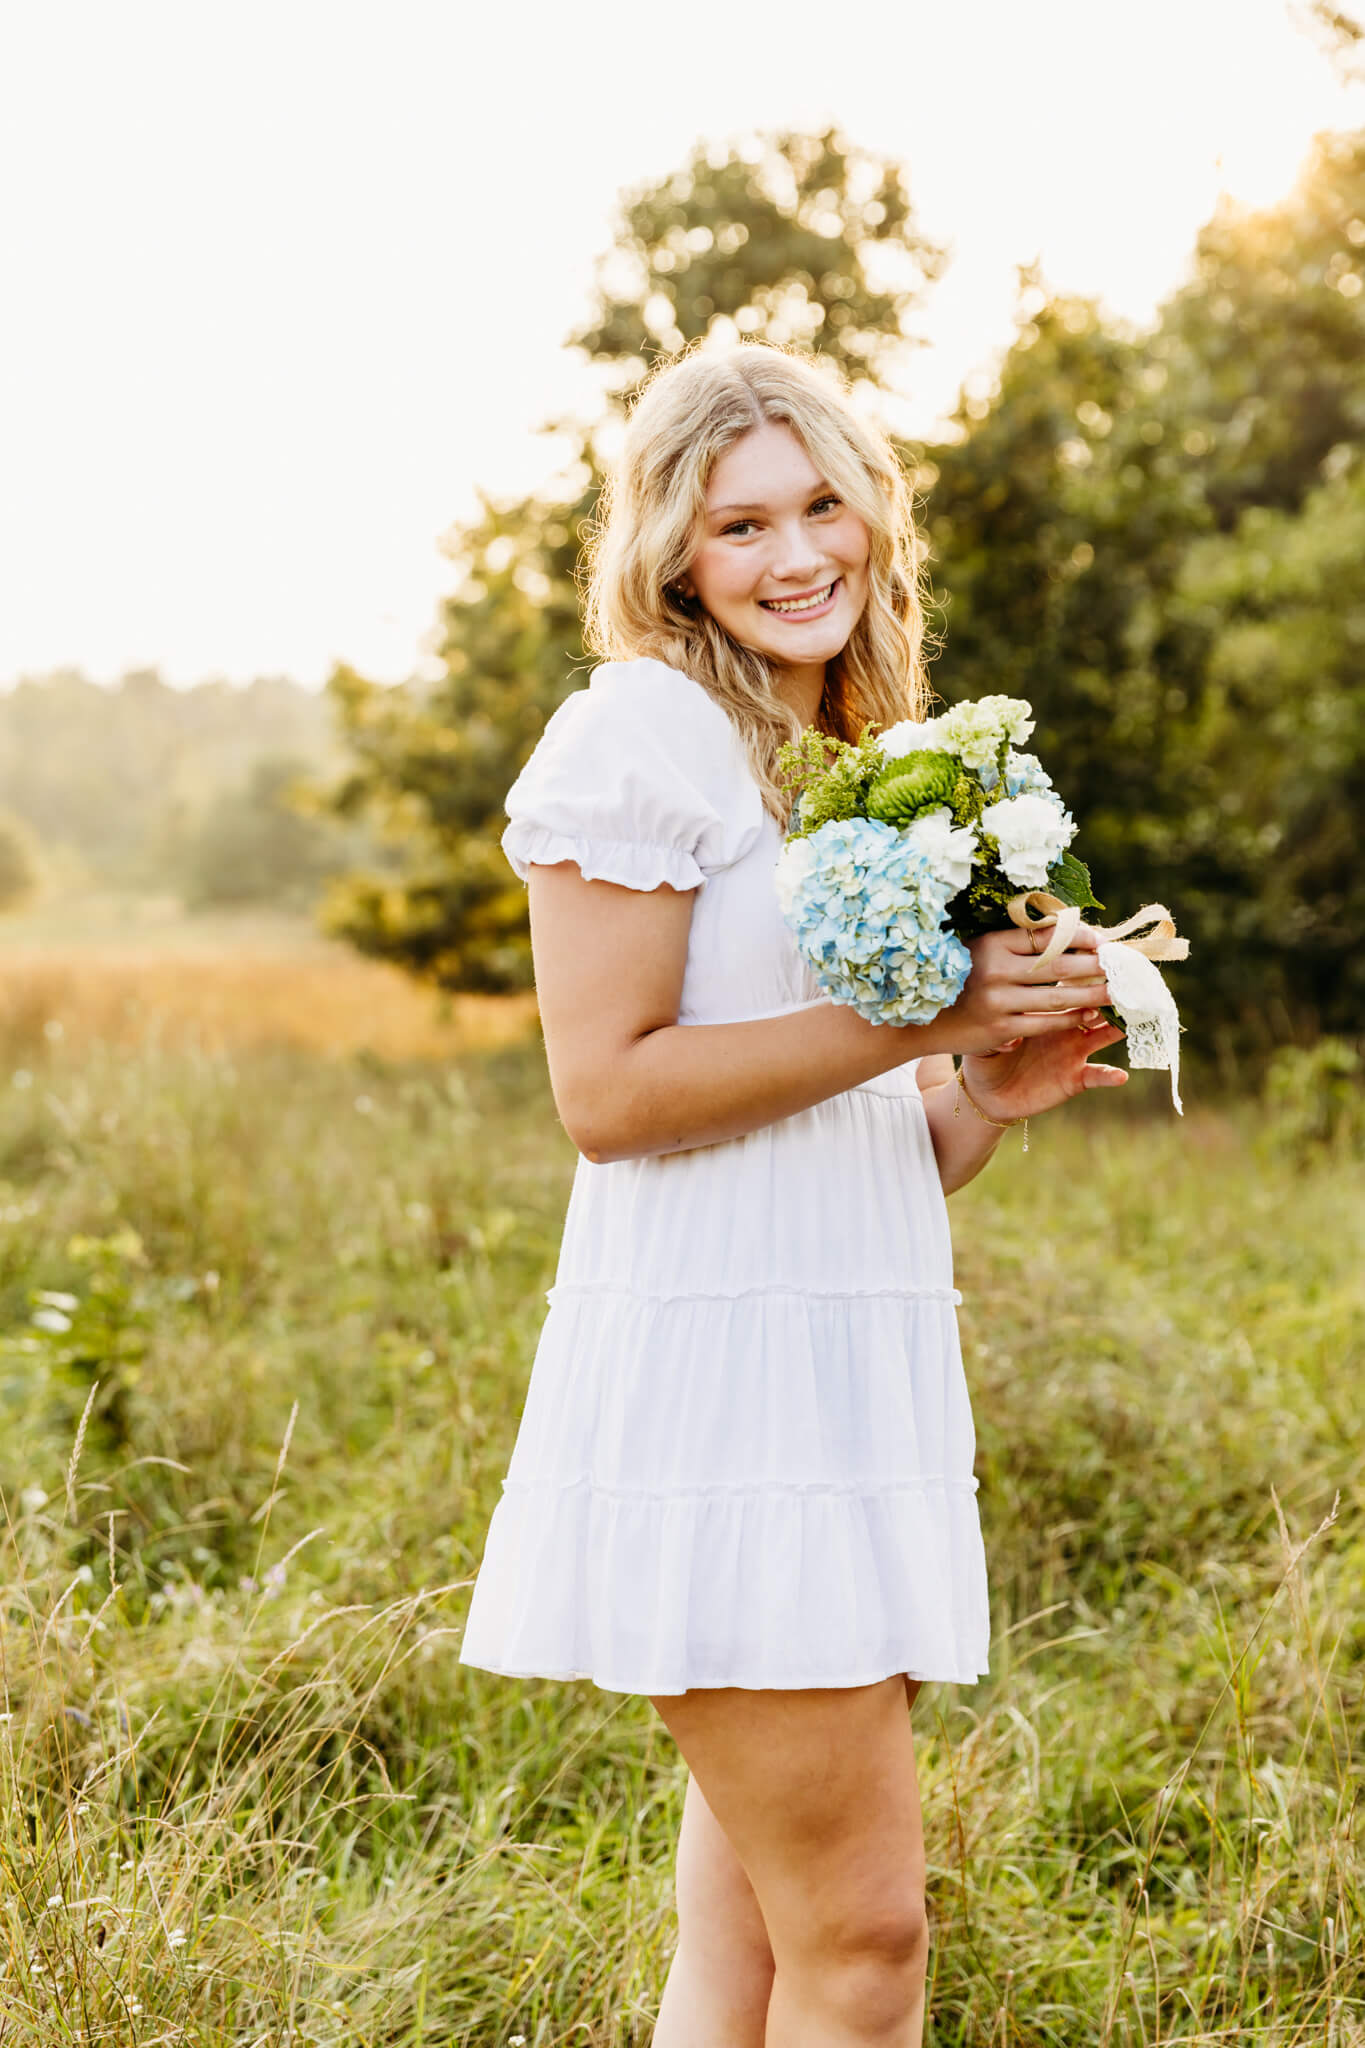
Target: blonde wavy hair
{"type": "Point", "coordinates": [649, 521]}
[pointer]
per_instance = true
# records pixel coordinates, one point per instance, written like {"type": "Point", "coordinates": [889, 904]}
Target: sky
{"type": "Point", "coordinates": [286, 282]}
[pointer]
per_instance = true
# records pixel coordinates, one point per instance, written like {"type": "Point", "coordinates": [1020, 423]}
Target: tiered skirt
{"type": "Point", "coordinates": [745, 1454]}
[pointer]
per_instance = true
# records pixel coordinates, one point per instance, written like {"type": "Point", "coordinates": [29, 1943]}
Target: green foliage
{"type": "Point", "coordinates": [784, 234]}
{"type": "Point", "coordinates": [1314, 1098]}
{"type": "Point", "coordinates": [965, 799]}
{"type": "Point", "coordinates": [906, 788]}
{"type": "Point", "coordinates": [430, 784]}
{"type": "Point", "coordinates": [253, 846]}
{"type": "Point", "coordinates": [1262, 349]}
{"type": "Point", "coordinates": [827, 778]}
{"type": "Point", "coordinates": [114, 782]}
{"type": "Point", "coordinates": [237, 1744]}
{"type": "Point", "coordinates": [1154, 538]}
{"type": "Point", "coordinates": [85, 1347]}
{"type": "Point", "coordinates": [1275, 781]}
{"type": "Point", "coordinates": [1114, 519]}
{"type": "Point", "coordinates": [781, 237]}
{"type": "Point", "coordinates": [1068, 879]}
{"type": "Point", "coordinates": [983, 906]}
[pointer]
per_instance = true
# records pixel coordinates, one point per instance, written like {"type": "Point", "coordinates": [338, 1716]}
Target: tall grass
{"type": "Point", "coordinates": [265, 1323]}
{"type": "Point", "coordinates": [84, 974]}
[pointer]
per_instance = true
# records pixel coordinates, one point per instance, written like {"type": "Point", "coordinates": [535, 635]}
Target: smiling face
{"type": "Point", "coordinates": [782, 563]}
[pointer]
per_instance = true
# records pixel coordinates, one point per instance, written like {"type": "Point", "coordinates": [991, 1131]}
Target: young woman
{"type": "Point", "coordinates": [742, 1483]}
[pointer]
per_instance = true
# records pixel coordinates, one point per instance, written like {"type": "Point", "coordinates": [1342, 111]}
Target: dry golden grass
{"type": "Point", "coordinates": [226, 989]}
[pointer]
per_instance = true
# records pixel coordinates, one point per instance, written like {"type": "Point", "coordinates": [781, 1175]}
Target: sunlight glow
{"type": "Point", "coordinates": [291, 284]}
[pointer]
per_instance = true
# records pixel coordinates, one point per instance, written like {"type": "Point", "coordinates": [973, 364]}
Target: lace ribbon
{"type": "Point", "coordinates": [1127, 954]}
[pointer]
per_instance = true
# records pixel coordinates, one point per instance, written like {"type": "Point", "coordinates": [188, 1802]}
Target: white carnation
{"type": "Point", "coordinates": [1032, 832]}
{"type": "Point", "coordinates": [976, 729]}
{"type": "Point", "coordinates": [911, 736]}
{"type": "Point", "coordinates": [950, 849]}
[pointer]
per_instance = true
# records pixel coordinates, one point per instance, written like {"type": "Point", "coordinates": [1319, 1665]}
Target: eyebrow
{"type": "Point", "coordinates": [714, 511]}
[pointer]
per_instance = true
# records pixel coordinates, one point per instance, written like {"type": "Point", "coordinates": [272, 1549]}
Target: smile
{"type": "Point", "coordinates": [805, 607]}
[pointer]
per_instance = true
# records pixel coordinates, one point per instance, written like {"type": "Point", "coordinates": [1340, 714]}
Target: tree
{"type": "Point", "coordinates": [1056, 522]}
{"type": "Point", "coordinates": [1269, 835]}
{"type": "Point", "coordinates": [786, 237]}
{"type": "Point", "coordinates": [1258, 363]}
{"type": "Point", "coordinates": [111, 779]}
{"type": "Point", "coordinates": [1085, 491]}
{"type": "Point", "coordinates": [253, 846]}
{"type": "Point", "coordinates": [1095, 523]}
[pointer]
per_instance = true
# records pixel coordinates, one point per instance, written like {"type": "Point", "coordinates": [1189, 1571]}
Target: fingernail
{"type": "Point", "coordinates": [1090, 1016]}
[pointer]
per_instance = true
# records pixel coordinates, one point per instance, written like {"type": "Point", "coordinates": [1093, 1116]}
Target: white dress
{"type": "Point", "coordinates": [745, 1454]}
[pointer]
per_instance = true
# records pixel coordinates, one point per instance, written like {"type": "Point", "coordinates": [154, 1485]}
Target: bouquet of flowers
{"type": "Point", "coordinates": [900, 848]}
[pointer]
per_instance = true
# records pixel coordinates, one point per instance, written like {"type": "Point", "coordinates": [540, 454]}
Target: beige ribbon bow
{"type": "Point", "coordinates": [1126, 956]}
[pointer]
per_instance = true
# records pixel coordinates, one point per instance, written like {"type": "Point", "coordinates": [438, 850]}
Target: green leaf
{"type": "Point", "coordinates": [1069, 881]}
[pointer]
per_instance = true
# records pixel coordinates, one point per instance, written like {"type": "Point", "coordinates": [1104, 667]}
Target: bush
{"type": "Point", "coordinates": [1315, 1101]}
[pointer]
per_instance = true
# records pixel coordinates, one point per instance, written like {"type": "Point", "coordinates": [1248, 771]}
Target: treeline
{"type": "Point", "coordinates": [1155, 537]}
{"type": "Point", "coordinates": [200, 792]}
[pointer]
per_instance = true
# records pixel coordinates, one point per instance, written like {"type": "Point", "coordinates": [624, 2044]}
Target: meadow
{"type": "Point", "coordinates": [272, 1269]}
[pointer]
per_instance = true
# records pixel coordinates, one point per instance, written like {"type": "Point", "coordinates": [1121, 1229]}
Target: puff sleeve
{"type": "Point", "coordinates": [639, 779]}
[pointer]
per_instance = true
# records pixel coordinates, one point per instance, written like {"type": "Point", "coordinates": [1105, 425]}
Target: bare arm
{"type": "Point", "coordinates": [629, 1081]}
{"type": "Point", "coordinates": [963, 1144]}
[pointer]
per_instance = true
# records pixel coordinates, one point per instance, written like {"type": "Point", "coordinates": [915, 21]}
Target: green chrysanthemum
{"type": "Point", "coordinates": [908, 787]}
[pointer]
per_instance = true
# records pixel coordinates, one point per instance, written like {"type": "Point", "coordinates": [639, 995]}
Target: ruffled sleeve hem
{"type": "Point", "coordinates": [634, 863]}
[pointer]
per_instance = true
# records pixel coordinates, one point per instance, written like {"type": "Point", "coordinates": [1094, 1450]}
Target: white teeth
{"type": "Point", "coordinates": [807, 604]}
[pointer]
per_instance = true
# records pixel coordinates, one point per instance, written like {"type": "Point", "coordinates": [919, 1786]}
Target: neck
{"type": "Point", "coordinates": [803, 689]}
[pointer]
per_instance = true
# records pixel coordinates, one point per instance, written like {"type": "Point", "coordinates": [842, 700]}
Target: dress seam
{"type": "Point", "coordinates": [748, 1489]}
{"type": "Point", "coordinates": [591, 1287]}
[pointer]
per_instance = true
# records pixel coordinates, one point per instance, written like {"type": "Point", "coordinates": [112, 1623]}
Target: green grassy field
{"type": "Point", "coordinates": [249, 1444]}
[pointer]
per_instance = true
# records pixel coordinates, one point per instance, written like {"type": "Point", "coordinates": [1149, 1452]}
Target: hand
{"type": "Point", "coordinates": [1025, 1076]}
{"type": "Point", "coordinates": [1005, 1000]}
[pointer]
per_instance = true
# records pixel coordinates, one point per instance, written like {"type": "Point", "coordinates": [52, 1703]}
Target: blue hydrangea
{"type": "Point", "coordinates": [1025, 775]}
{"type": "Point", "coordinates": [866, 907]}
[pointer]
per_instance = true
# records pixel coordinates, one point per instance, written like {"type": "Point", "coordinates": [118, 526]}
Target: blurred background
{"type": "Point", "coordinates": [320, 346]}
{"type": "Point", "coordinates": [320, 322]}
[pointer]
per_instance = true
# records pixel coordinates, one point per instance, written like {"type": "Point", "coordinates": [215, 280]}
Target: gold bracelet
{"type": "Point", "coordinates": [957, 1109]}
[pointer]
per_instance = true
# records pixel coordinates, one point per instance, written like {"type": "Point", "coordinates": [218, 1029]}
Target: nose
{"type": "Point", "coordinates": [796, 560]}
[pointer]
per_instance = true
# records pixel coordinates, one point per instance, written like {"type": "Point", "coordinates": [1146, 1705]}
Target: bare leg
{"type": "Point", "coordinates": [722, 1972]}
{"type": "Point", "coordinates": [817, 1792]}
